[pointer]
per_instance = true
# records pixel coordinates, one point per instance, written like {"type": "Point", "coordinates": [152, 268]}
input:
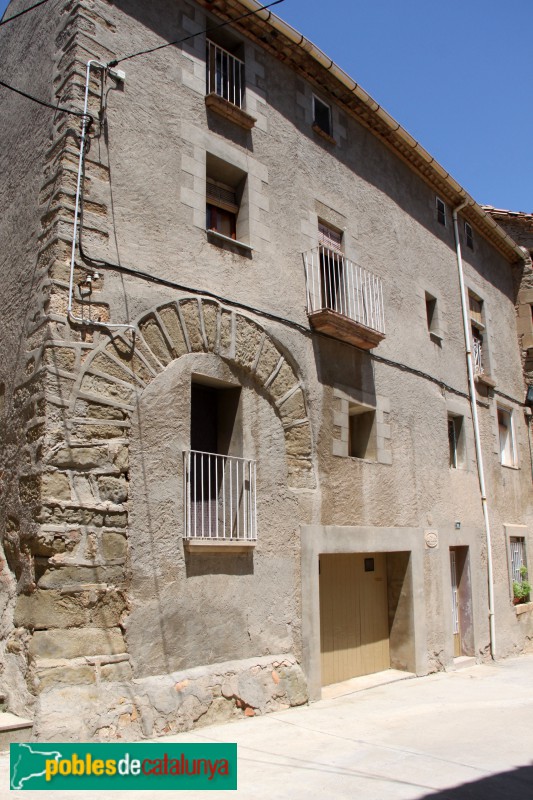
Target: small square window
{"type": "Point", "coordinates": [322, 116]}
{"type": "Point", "coordinates": [362, 441]}
{"type": "Point", "coordinates": [469, 236]}
{"type": "Point", "coordinates": [506, 437]}
{"type": "Point", "coordinates": [456, 441]}
{"type": "Point", "coordinates": [440, 206]}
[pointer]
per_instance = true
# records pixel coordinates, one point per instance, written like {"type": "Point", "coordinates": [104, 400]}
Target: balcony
{"type": "Point", "coordinates": [480, 375]}
{"type": "Point", "coordinates": [220, 501]}
{"type": "Point", "coordinates": [343, 300]}
{"type": "Point", "coordinates": [225, 85]}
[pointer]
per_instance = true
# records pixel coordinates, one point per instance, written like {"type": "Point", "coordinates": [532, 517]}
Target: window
{"type": "Point", "coordinates": [456, 441]}
{"type": "Point", "coordinates": [433, 318]}
{"type": "Point", "coordinates": [362, 439]}
{"type": "Point", "coordinates": [506, 438]}
{"type": "Point", "coordinates": [225, 186]}
{"type": "Point", "coordinates": [479, 354]}
{"type": "Point", "coordinates": [220, 484]}
{"type": "Point", "coordinates": [441, 210]}
{"type": "Point", "coordinates": [469, 236]}
{"type": "Point", "coordinates": [224, 74]}
{"type": "Point", "coordinates": [322, 116]}
{"type": "Point", "coordinates": [520, 583]}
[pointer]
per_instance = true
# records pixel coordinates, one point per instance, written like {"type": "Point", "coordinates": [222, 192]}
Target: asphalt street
{"type": "Point", "coordinates": [465, 735]}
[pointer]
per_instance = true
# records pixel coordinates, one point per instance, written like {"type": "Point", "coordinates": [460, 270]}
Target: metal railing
{"type": "Point", "coordinates": [335, 283]}
{"type": "Point", "coordinates": [220, 497]}
{"type": "Point", "coordinates": [477, 355]}
{"type": "Point", "coordinates": [225, 74]}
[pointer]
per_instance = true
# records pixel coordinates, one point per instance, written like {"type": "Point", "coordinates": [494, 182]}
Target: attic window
{"type": "Point", "coordinates": [322, 116]}
{"type": "Point", "coordinates": [440, 207]}
{"type": "Point", "coordinates": [469, 236]}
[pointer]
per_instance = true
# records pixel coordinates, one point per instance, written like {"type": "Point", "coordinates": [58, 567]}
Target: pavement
{"type": "Point", "coordinates": [464, 735]}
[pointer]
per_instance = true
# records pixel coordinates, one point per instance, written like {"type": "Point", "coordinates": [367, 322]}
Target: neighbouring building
{"type": "Point", "coordinates": [239, 459]}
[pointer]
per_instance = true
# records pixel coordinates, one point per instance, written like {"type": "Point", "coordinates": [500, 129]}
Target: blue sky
{"type": "Point", "coordinates": [457, 75]}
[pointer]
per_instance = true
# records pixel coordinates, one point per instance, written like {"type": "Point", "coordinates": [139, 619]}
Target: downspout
{"type": "Point", "coordinates": [475, 421]}
{"type": "Point", "coordinates": [84, 129]}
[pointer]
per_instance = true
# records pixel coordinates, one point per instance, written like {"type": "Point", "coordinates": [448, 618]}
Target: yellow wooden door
{"type": "Point", "coordinates": [354, 627]}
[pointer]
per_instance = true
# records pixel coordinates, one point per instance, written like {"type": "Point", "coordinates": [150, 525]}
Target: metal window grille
{"type": "Point", "coordinates": [335, 283]}
{"type": "Point", "coordinates": [477, 354]}
{"type": "Point", "coordinates": [455, 599]}
{"type": "Point", "coordinates": [220, 497]}
{"type": "Point", "coordinates": [224, 74]}
{"type": "Point", "coordinates": [518, 557]}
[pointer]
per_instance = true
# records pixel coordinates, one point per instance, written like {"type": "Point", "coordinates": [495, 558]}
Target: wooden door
{"type": "Point", "coordinates": [354, 627]}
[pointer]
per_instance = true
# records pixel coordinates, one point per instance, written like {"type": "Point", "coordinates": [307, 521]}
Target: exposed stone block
{"type": "Point", "coordinates": [114, 546]}
{"type": "Point", "coordinates": [169, 317]}
{"type": "Point", "coordinates": [61, 577]}
{"type": "Point", "coordinates": [66, 675]}
{"type": "Point", "coordinates": [191, 315]}
{"type": "Point", "coordinates": [156, 341]}
{"type": "Point", "coordinates": [50, 608]}
{"type": "Point", "coordinates": [226, 328]}
{"type": "Point", "coordinates": [268, 361]}
{"type": "Point", "coordinates": [56, 485]}
{"type": "Point", "coordinates": [298, 441]}
{"type": "Point", "coordinates": [60, 357]}
{"type": "Point", "coordinates": [247, 341]}
{"type": "Point", "coordinates": [210, 313]}
{"type": "Point", "coordinates": [113, 489]}
{"type": "Point", "coordinates": [92, 384]}
{"type": "Point", "coordinates": [293, 408]}
{"type": "Point", "coordinates": [72, 643]}
{"type": "Point", "coordinates": [87, 432]}
{"type": "Point", "coordinates": [79, 457]}
{"type": "Point", "coordinates": [131, 360]}
{"type": "Point", "coordinates": [104, 364]}
{"type": "Point", "coordinates": [116, 672]}
{"type": "Point", "coordinates": [283, 382]}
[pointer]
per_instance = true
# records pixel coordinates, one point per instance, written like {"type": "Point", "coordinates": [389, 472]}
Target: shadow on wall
{"type": "Point", "coordinates": [517, 783]}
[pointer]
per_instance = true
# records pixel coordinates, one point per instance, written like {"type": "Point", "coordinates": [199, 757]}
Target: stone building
{"type": "Point", "coordinates": [239, 454]}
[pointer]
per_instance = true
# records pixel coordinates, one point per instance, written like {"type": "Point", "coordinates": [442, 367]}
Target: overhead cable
{"type": "Point", "coordinates": [193, 35]}
{"type": "Point", "coordinates": [43, 102]}
{"type": "Point", "coordinates": [20, 13]}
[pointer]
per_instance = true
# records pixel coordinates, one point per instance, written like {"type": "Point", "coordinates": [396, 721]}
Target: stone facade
{"type": "Point", "coordinates": [103, 606]}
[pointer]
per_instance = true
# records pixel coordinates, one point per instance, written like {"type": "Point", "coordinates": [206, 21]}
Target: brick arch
{"type": "Point", "coordinates": [119, 368]}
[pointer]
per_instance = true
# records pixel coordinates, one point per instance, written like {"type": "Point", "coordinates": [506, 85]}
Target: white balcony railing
{"type": "Point", "coordinates": [225, 74]}
{"type": "Point", "coordinates": [477, 355]}
{"type": "Point", "coordinates": [334, 283]}
{"type": "Point", "coordinates": [220, 497]}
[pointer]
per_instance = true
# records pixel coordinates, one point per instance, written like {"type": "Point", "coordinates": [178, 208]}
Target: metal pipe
{"type": "Point", "coordinates": [475, 422]}
{"type": "Point", "coordinates": [84, 128]}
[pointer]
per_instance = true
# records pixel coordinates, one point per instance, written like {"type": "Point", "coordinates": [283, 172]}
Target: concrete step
{"type": "Point", "coordinates": [13, 730]}
{"type": "Point", "coordinates": [462, 662]}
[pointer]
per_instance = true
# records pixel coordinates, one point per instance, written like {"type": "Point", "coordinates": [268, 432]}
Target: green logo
{"type": "Point", "coordinates": [123, 766]}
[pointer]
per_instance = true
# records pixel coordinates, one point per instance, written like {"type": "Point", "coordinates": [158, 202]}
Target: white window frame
{"type": "Point", "coordinates": [469, 236]}
{"type": "Point", "coordinates": [507, 449]}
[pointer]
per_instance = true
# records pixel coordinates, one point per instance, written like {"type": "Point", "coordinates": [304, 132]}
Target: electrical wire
{"type": "Point", "coordinates": [20, 13]}
{"type": "Point", "coordinates": [193, 35]}
{"type": "Point", "coordinates": [44, 103]}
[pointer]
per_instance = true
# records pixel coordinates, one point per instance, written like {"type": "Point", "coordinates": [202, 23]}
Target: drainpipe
{"type": "Point", "coordinates": [475, 421]}
{"type": "Point", "coordinates": [84, 130]}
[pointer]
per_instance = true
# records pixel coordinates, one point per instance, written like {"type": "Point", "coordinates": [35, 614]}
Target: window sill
{"type": "Point", "coordinates": [436, 338]}
{"type": "Point", "coordinates": [229, 111]}
{"type": "Point", "coordinates": [485, 380]}
{"type": "Point", "coordinates": [323, 134]}
{"type": "Point", "coordinates": [222, 239]}
{"type": "Point", "coordinates": [509, 466]}
{"type": "Point", "coordinates": [219, 545]}
{"type": "Point", "coordinates": [523, 608]}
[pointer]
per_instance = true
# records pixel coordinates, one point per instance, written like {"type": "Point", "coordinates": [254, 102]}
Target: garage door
{"type": "Point", "coordinates": [354, 627]}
